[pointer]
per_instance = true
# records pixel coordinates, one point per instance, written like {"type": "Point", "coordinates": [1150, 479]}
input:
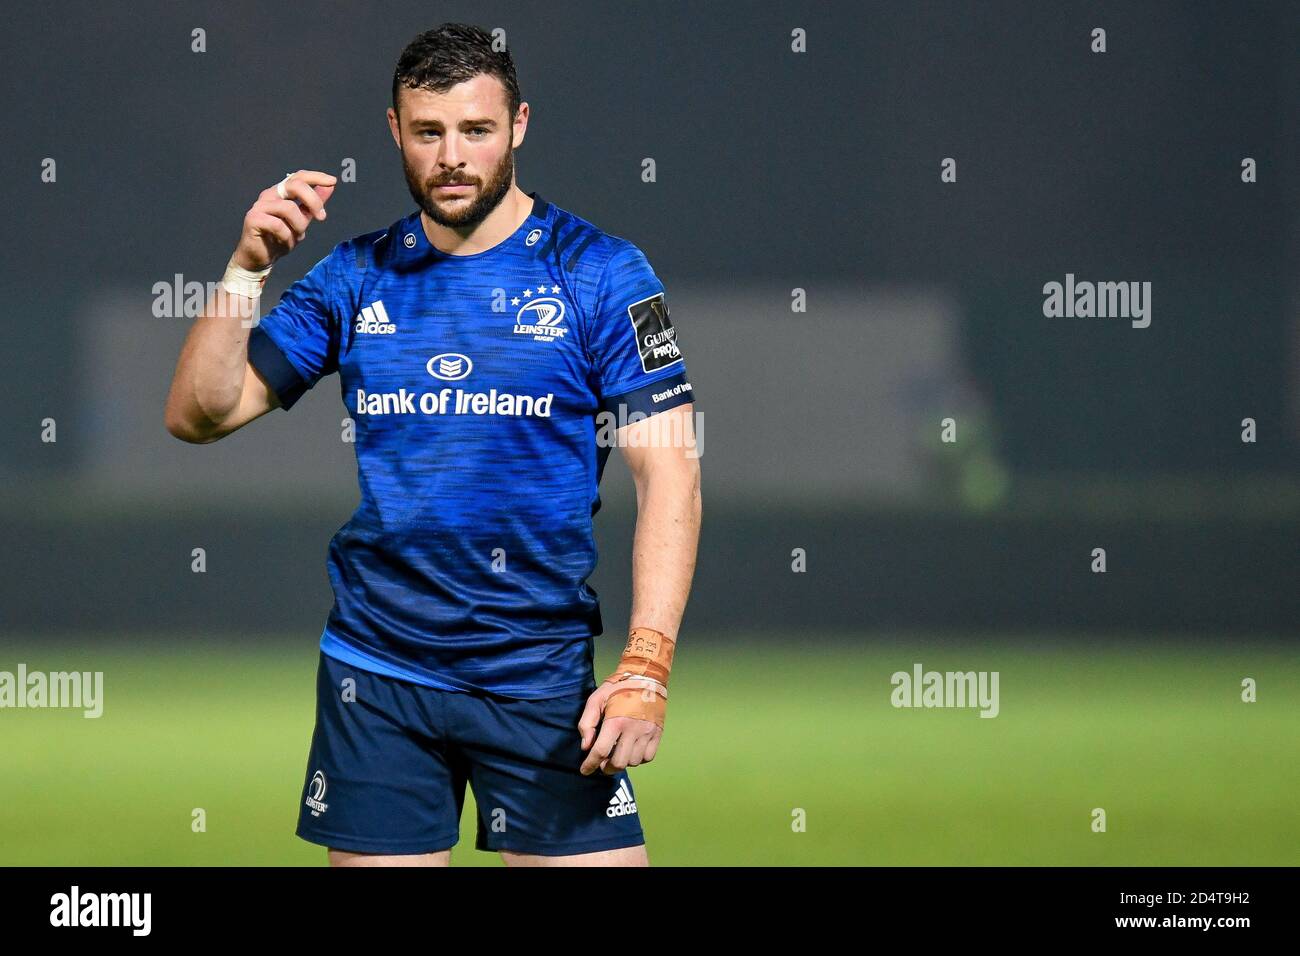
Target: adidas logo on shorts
{"type": "Point", "coordinates": [621, 803]}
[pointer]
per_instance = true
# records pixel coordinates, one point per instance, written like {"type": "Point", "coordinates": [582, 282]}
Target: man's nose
{"type": "Point", "coordinates": [450, 156]}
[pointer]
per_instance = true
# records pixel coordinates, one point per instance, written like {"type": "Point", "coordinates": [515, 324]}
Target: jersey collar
{"type": "Point", "coordinates": [414, 241]}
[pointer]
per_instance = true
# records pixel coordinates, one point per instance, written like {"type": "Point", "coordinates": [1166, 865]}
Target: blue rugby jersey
{"type": "Point", "coordinates": [475, 383]}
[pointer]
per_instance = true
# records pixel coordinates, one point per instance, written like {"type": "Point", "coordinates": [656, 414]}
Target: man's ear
{"type": "Point", "coordinates": [394, 127]}
{"type": "Point", "coordinates": [520, 126]}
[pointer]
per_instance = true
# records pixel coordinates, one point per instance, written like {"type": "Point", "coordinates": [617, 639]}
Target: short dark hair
{"type": "Point", "coordinates": [452, 53]}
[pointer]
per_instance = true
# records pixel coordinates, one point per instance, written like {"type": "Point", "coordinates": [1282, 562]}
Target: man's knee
{"type": "Point", "coordinates": [623, 856]}
{"type": "Point", "coordinates": [348, 858]}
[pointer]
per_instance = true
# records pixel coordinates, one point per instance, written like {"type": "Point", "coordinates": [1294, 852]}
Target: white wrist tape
{"type": "Point", "coordinates": [239, 281]}
{"type": "Point", "coordinates": [640, 680]}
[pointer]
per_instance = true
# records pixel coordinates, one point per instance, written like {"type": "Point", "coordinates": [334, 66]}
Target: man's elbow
{"type": "Point", "coordinates": [180, 426]}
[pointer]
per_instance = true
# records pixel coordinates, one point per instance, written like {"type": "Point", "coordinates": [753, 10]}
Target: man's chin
{"type": "Point", "coordinates": [454, 218]}
{"type": "Point", "coordinates": [457, 198]}
{"type": "Point", "coordinates": [453, 205]}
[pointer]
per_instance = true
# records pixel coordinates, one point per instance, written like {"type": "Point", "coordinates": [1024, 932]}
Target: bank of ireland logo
{"type": "Point", "coordinates": [540, 315]}
{"type": "Point", "coordinates": [316, 794]}
{"type": "Point", "coordinates": [450, 366]}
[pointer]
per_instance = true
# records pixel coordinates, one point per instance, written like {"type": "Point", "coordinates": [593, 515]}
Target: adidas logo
{"type": "Point", "coordinates": [621, 803]}
{"type": "Point", "coordinates": [373, 320]}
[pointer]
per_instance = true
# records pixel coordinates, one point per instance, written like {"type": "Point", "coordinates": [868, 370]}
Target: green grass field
{"type": "Point", "coordinates": [1187, 773]}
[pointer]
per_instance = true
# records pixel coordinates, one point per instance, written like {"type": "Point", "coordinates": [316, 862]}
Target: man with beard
{"type": "Point", "coordinates": [480, 343]}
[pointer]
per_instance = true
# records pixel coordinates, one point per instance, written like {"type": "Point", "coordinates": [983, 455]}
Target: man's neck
{"type": "Point", "coordinates": [499, 225]}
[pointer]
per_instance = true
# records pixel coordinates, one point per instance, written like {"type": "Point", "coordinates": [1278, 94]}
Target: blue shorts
{"type": "Point", "coordinates": [387, 771]}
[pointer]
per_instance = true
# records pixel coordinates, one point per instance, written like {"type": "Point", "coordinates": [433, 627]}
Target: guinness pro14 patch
{"type": "Point", "coordinates": [656, 339]}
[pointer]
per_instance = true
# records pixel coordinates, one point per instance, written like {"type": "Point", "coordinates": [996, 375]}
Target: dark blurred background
{"type": "Point", "coordinates": [776, 171]}
{"type": "Point", "coordinates": [780, 177]}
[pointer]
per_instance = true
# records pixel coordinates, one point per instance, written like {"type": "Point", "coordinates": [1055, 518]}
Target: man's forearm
{"type": "Point", "coordinates": [664, 547]}
{"type": "Point", "coordinates": [209, 377]}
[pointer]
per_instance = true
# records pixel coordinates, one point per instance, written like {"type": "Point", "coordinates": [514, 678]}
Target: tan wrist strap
{"type": "Point", "coordinates": [642, 674]}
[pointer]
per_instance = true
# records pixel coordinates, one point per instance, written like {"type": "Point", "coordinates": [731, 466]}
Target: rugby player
{"type": "Point", "coordinates": [484, 343]}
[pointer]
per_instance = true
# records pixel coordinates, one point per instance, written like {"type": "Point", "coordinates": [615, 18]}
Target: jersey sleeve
{"type": "Point", "coordinates": [638, 361]}
{"type": "Point", "coordinates": [296, 344]}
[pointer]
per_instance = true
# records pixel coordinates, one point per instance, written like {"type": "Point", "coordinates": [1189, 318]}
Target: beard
{"type": "Point", "coordinates": [486, 196]}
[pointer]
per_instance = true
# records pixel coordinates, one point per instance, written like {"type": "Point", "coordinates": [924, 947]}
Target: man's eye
{"type": "Point", "coordinates": [478, 129]}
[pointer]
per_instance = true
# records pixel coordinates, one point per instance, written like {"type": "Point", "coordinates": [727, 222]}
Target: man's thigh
{"type": "Point", "coordinates": [625, 856]}
{"type": "Point", "coordinates": [347, 858]}
{"type": "Point", "coordinates": [523, 759]}
{"type": "Point", "coordinates": [379, 781]}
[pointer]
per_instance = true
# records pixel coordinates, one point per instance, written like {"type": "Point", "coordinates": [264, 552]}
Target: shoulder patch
{"type": "Point", "coordinates": [656, 339]}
